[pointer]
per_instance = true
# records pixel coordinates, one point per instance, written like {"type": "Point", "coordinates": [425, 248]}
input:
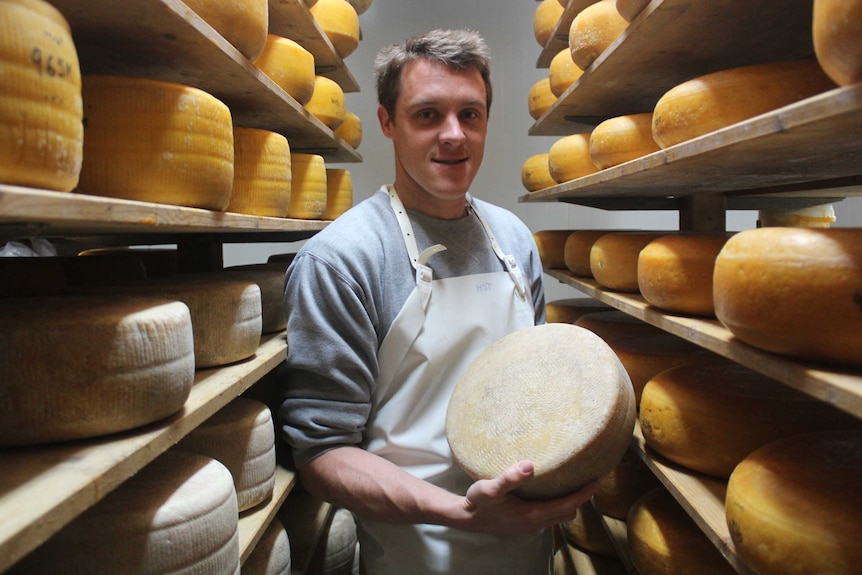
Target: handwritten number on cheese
{"type": "Point", "coordinates": [50, 65]}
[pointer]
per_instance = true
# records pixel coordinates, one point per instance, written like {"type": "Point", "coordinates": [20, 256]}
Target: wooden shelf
{"type": "Point", "coordinates": [618, 533]}
{"type": "Point", "coordinates": [43, 488]}
{"type": "Point", "coordinates": [254, 522]}
{"type": "Point", "coordinates": [841, 388]}
{"type": "Point", "coordinates": [592, 564]}
{"type": "Point", "coordinates": [305, 518]}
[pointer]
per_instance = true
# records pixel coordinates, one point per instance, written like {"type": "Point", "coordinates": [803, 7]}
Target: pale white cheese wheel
{"type": "Point", "coordinates": [243, 23]}
{"type": "Point", "coordinates": [271, 555]}
{"type": "Point", "coordinates": [337, 551]}
{"type": "Point", "coordinates": [261, 175]}
{"type": "Point", "coordinates": [269, 277]}
{"type": "Point", "coordinates": [572, 309]}
{"type": "Point", "coordinates": [177, 516]}
{"type": "Point", "coordinates": [75, 367]}
{"type": "Point", "coordinates": [555, 394]}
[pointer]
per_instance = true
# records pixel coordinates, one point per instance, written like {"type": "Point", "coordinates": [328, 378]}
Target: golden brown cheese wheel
{"type": "Point", "coordinates": [535, 173]}
{"type": "Point", "coordinates": [795, 505]}
{"type": "Point", "coordinates": [629, 9]}
{"type": "Point", "coordinates": [708, 103]}
{"type": "Point", "coordinates": [545, 19]}
{"type": "Point", "coordinates": [551, 245]}
{"type": "Point", "coordinates": [572, 309]}
{"type": "Point", "coordinates": [621, 139]}
{"type": "Point", "coordinates": [793, 291]}
{"type": "Point", "coordinates": [675, 272]}
{"type": "Point", "coordinates": [540, 98]}
{"type": "Point", "coordinates": [327, 101]}
{"type": "Point", "coordinates": [569, 158]}
{"type": "Point", "coordinates": [594, 29]}
{"type": "Point", "coordinates": [350, 130]}
{"type": "Point", "coordinates": [581, 414]}
{"type": "Point", "coordinates": [261, 175]}
{"type": "Point", "coordinates": [625, 484]}
{"type": "Point", "coordinates": [732, 409]}
{"type": "Point", "coordinates": [289, 65]}
{"type": "Point", "coordinates": [837, 34]}
{"type": "Point", "coordinates": [587, 532]}
{"type": "Point", "coordinates": [339, 192]}
{"type": "Point", "coordinates": [340, 22]}
{"type": "Point", "coordinates": [307, 187]}
{"type": "Point", "coordinates": [611, 325]}
{"type": "Point", "coordinates": [577, 250]}
{"type": "Point", "coordinates": [562, 72]}
{"type": "Point", "coordinates": [243, 23]}
{"type": "Point", "coordinates": [663, 539]}
{"type": "Point", "coordinates": [614, 259]}
{"type": "Point", "coordinates": [41, 110]}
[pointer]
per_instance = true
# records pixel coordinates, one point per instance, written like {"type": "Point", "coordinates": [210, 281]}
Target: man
{"type": "Point", "coordinates": [388, 306]}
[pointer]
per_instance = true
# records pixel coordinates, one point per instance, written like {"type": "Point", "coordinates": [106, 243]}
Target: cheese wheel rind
{"type": "Point", "coordinates": [593, 30]}
{"type": "Point", "coordinates": [562, 72]}
{"type": "Point", "coordinates": [308, 187]}
{"type": "Point", "coordinates": [243, 23]}
{"type": "Point", "coordinates": [339, 21]}
{"type": "Point", "coordinates": [289, 65]}
{"type": "Point", "coordinates": [261, 180]}
{"type": "Point", "coordinates": [535, 173]}
{"type": "Point", "coordinates": [540, 98]}
{"type": "Point", "coordinates": [837, 35]}
{"type": "Point", "coordinates": [614, 259]}
{"type": "Point", "coordinates": [545, 19]}
{"type": "Point", "coordinates": [569, 158]}
{"type": "Point", "coordinates": [327, 101]}
{"type": "Point", "coordinates": [621, 139]}
{"type": "Point", "coordinates": [339, 192]}
{"type": "Point", "coordinates": [551, 246]}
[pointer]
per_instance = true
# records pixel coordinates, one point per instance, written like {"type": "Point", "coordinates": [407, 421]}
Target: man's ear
{"type": "Point", "coordinates": [386, 123]}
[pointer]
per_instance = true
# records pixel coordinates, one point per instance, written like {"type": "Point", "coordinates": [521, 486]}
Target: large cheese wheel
{"type": "Point", "coordinates": [562, 72]}
{"type": "Point", "coordinates": [614, 258]}
{"type": "Point", "coordinates": [793, 291]}
{"type": "Point", "coordinates": [535, 173]}
{"type": "Point", "coordinates": [243, 23]}
{"type": "Point", "coordinates": [821, 216]}
{"type": "Point", "coordinates": [577, 250]}
{"type": "Point", "coordinates": [327, 101]}
{"type": "Point", "coordinates": [289, 65]}
{"type": "Point", "coordinates": [569, 158]}
{"type": "Point", "coordinates": [675, 272]}
{"type": "Point", "coordinates": [545, 19]}
{"type": "Point", "coordinates": [540, 98]}
{"type": "Point", "coordinates": [837, 34]}
{"type": "Point", "coordinates": [350, 130]}
{"type": "Point", "coordinates": [621, 139]}
{"type": "Point", "coordinates": [240, 435]}
{"type": "Point", "coordinates": [156, 141]}
{"type": "Point", "coordinates": [663, 539]}
{"type": "Point", "coordinates": [572, 309]}
{"type": "Point", "coordinates": [623, 486]}
{"type": "Point", "coordinates": [31, 276]}
{"type": "Point", "coordinates": [592, 30]}
{"type": "Point", "coordinates": [708, 103]}
{"type": "Point", "coordinates": [41, 134]}
{"type": "Point", "coordinates": [339, 192]}
{"type": "Point", "coordinates": [271, 555]}
{"type": "Point", "coordinates": [261, 177]}
{"type": "Point", "coordinates": [308, 187]}
{"type": "Point", "coordinates": [587, 532]}
{"type": "Point", "coordinates": [337, 552]}
{"type": "Point", "coordinates": [551, 245]}
{"type": "Point", "coordinates": [269, 277]}
{"type": "Point", "coordinates": [75, 367]}
{"type": "Point", "coordinates": [340, 22]}
{"type": "Point", "coordinates": [795, 506]}
{"type": "Point", "coordinates": [612, 325]}
{"type": "Point", "coordinates": [177, 516]}
{"type": "Point", "coordinates": [732, 409]}
{"type": "Point", "coordinates": [629, 9]}
{"type": "Point", "coordinates": [581, 414]}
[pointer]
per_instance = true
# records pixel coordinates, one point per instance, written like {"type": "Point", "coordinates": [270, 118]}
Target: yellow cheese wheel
{"type": "Point", "coordinates": [622, 139]}
{"type": "Point", "coordinates": [577, 250]}
{"type": "Point", "coordinates": [75, 367]}
{"type": "Point", "coordinates": [587, 532]}
{"type": "Point", "coordinates": [551, 244]}
{"type": "Point", "coordinates": [612, 325]}
{"type": "Point", "coordinates": [708, 103]}
{"type": "Point", "coordinates": [614, 258]}
{"type": "Point", "coordinates": [664, 539]}
{"type": "Point", "coordinates": [339, 192]}
{"type": "Point", "coordinates": [581, 414]}
{"type": "Point", "coordinates": [535, 173]}
{"type": "Point", "coordinates": [593, 29]}
{"type": "Point", "coordinates": [261, 175]}
{"type": "Point", "coordinates": [629, 9]}
{"type": "Point", "coordinates": [327, 101]}
{"type": "Point", "coordinates": [793, 291]}
{"type": "Point", "coordinates": [623, 486]}
{"type": "Point", "coordinates": [675, 272]}
{"type": "Point", "coordinates": [562, 72]}
{"type": "Point", "coordinates": [41, 134]}
{"type": "Point", "coordinates": [540, 98]}
{"type": "Point", "coordinates": [795, 506]}
{"type": "Point", "coordinates": [308, 187]}
{"type": "Point", "coordinates": [289, 65]}
{"type": "Point", "coordinates": [732, 409]}
{"type": "Point", "coordinates": [569, 158]}
{"type": "Point", "coordinates": [243, 23]}
{"type": "Point", "coordinates": [340, 22]}
{"type": "Point", "coordinates": [157, 142]}
{"type": "Point", "coordinates": [350, 130]}
{"type": "Point", "coordinates": [269, 277]}
{"type": "Point", "coordinates": [545, 19]}
{"type": "Point", "coordinates": [837, 34]}
{"type": "Point", "coordinates": [572, 309]}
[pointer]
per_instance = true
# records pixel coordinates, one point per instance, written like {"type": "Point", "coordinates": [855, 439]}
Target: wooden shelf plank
{"type": "Point", "coordinates": [253, 522]}
{"type": "Point", "coordinates": [43, 488]}
{"type": "Point", "coordinates": [618, 533]}
{"type": "Point", "coordinates": [841, 388]}
{"type": "Point", "coordinates": [305, 518]}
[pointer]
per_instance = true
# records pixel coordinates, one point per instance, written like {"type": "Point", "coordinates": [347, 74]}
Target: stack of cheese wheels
{"type": "Point", "coordinates": [569, 158]}
{"type": "Point", "coordinates": [350, 129]}
{"type": "Point", "coordinates": [795, 505]}
{"type": "Point", "coordinates": [793, 291]}
{"type": "Point", "coordinates": [837, 35]}
{"type": "Point", "coordinates": [156, 261]}
{"type": "Point", "coordinates": [118, 266]}
{"type": "Point", "coordinates": [545, 20]}
{"type": "Point", "coordinates": [708, 103]}
{"type": "Point", "coordinates": [540, 98]}
{"type": "Point", "coordinates": [261, 177]}
{"type": "Point", "coordinates": [625, 484]}
{"type": "Point", "coordinates": [156, 141]}
{"type": "Point", "coordinates": [177, 515]}
{"type": "Point", "coordinates": [562, 72]}
{"type": "Point", "coordinates": [308, 187]}
{"type": "Point", "coordinates": [622, 139]}
{"type": "Point", "coordinates": [271, 555]}
{"type": "Point", "coordinates": [225, 312]}
{"type": "Point", "coordinates": [551, 245]}
{"type": "Point", "coordinates": [240, 435]}
{"type": "Point", "coordinates": [663, 539]}
{"type": "Point", "coordinates": [535, 173]}
{"type": "Point", "coordinates": [581, 416]}
{"type": "Point", "coordinates": [732, 409]}
{"type": "Point", "coordinates": [340, 22]}
{"type": "Point", "coordinates": [675, 272]}
{"type": "Point", "coordinates": [594, 29]}
{"type": "Point", "coordinates": [31, 276]}
{"type": "Point", "coordinates": [614, 259]}
{"type": "Point", "coordinates": [612, 325]}
{"type": "Point", "coordinates": [75, 367]}
{"type": "Point", "coordinates": [269, 277]}
{"type": "Point", "coordinates": [244, 23]}
{"type": "Point", "coordinates": [572, 309]}
{"type": "Point", "coordinates": [629, 9]}
{"type": "Point", "coordinates": [587, 532]}
{"type": "Point", "coordinates": [339, 192]}
{"type": "Point", "coordinates": [289, 65]}
{"type": "Point", "coordinates": [577, 250]}
{"type": "Point", "coordinates": [41, 134]}
{"type": "Point", "coordinates": [327, 101]}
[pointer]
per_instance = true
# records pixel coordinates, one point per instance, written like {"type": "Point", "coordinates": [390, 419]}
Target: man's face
{"type": "Point", "coordinates": [438, 133]}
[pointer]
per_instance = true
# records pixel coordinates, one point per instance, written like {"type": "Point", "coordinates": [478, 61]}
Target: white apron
{"type": "Point", "coordinates": [442, 327]}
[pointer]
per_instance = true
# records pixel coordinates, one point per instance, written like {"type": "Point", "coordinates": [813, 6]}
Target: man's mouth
{"type": "Point", "coordinates": [451, 162]}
